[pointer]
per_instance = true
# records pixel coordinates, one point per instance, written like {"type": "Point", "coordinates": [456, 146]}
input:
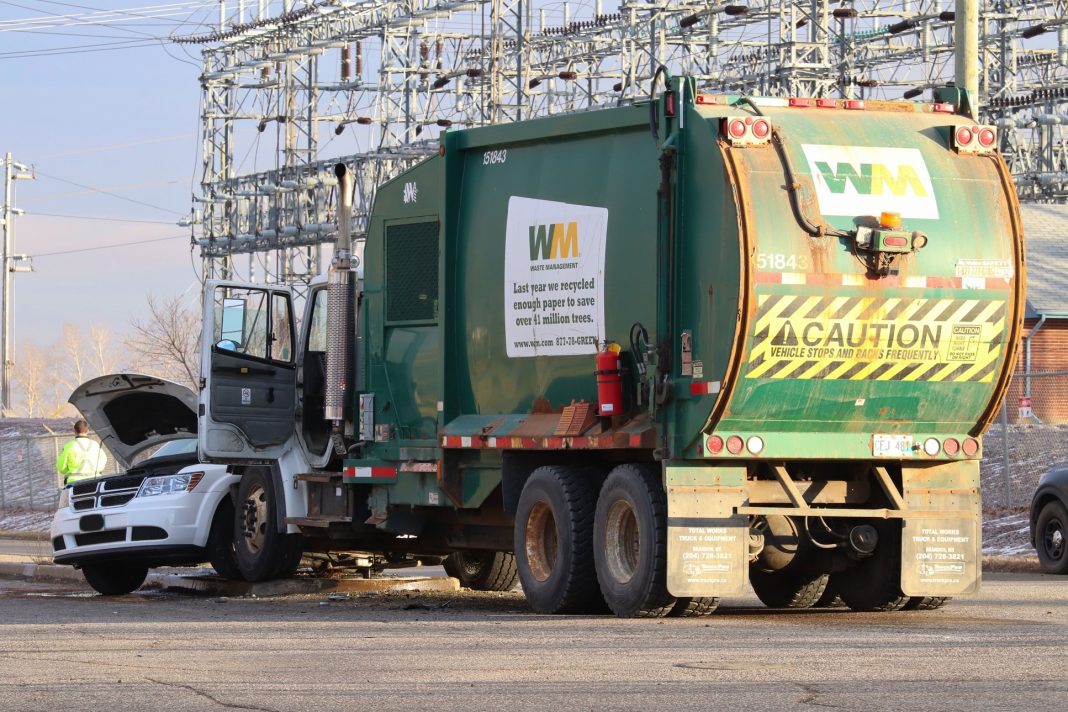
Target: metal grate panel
{"type": "Point", "coordinates": [412, 271]}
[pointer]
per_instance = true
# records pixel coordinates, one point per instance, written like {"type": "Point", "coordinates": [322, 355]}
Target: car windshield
{"type": "Point", "coordinates": [184, 446]}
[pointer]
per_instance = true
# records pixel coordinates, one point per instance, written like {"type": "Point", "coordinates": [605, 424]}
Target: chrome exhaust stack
{"type": "Point", "coordinates": [339, 299]}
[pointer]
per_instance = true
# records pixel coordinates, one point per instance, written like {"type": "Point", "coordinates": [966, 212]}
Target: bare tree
{"type": "Point", "coordinates": [167, 342]}
{"type": "Point", "coordinates": [70, 345]}
{"type": "Point", "coordinates": [99, 351]}
{"type": "Point", "coordinates": [35, 379]}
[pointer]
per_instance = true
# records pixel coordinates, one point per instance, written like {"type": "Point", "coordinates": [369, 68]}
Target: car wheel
{"type": "Point", "coordinates": [115, 579]}
{"type": "Point", "coordinates": [261, 551]}
{"type": "Point", "coordinates": [221, 553]}
{"type": "Point", "coordinates": [1051, 538]}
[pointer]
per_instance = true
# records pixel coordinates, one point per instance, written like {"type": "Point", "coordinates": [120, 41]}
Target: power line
{"type": "Point", "coordinates": [81, 49]}
{"type": "Point", "coordinates": [93, 217]}
{"type": "Point", "coordinates": [109, 247]}
{"type": "Point", "coordinates": [114, 146]}
{"type": "Point", "coordinates": [113, 195]}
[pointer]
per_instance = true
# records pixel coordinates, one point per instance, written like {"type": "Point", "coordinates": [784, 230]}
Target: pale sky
{"type": "Point", "coordinates": [111, 134]}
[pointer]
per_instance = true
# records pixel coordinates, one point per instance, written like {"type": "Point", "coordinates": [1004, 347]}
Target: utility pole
{"type": "Point", "coordinates": [8, 260]}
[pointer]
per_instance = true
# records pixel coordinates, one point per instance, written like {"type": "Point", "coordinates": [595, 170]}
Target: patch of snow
{"type": "Point", "coordinates": [20, 520]}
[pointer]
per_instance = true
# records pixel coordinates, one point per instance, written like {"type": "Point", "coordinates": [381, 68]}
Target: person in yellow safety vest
{"type": "Point", "coordinates": [81, 457]}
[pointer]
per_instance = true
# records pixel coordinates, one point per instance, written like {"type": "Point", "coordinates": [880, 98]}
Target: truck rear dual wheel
{"type": "Point", "coordinates": [115, 579]}
{"type": "Point", "coordinates": [553, 540]}
{"type": "Point", "coordinates": [483, 570]}
{"type": "Point", "coordinates": [630, 544]}
{"type": "Point", "coordinates": [261, 551]}
{"type": "Point", "coordinates": [926, 603]}
{"type": "Point", "coordinates": [874, 583]}
{"type": "Point", "coordinates": [788, 588]}
{"type": "Point", "coordinates": [691, 607]}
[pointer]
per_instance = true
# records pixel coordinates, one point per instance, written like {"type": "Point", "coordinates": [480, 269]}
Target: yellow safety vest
{"type": "Point", "coordinates": [81, 459]}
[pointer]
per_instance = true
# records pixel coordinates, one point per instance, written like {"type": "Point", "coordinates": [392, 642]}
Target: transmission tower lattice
{"type": "Point", "coordinates": [372, 83]}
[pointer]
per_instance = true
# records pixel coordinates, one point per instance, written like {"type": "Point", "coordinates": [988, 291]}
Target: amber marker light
{"type": "Point", "coordinates": [890, 220]}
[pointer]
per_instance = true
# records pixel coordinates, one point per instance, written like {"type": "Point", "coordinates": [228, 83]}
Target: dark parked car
{"type": "Point", "coordinates": [1049, 521]}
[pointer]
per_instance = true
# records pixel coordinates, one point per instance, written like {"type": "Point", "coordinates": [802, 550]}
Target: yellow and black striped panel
{"type": "Point", "coordinates": [876, 338]}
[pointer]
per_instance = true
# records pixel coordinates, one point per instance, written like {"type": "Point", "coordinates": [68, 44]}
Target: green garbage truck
{"type": "Point", "coordinates": [642, 357]}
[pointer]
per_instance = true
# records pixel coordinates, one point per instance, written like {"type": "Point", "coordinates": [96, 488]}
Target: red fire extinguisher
{"type": "Point", "coordinates": [609, 380]}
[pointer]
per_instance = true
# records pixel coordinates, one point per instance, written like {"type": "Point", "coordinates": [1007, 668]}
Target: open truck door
{"type": "Point", "coordinates": [248, 373]}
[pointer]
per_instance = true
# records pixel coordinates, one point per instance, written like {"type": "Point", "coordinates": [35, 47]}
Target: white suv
{"type": "Point", "coordinates": [169, 509]}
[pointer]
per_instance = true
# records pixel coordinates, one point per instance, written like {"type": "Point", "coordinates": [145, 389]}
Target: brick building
{"type": "Point", "coordinates": [1044, 348]}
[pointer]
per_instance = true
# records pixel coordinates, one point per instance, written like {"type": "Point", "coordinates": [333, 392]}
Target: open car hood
{"type": "Point", "coordinates": [131, 412]}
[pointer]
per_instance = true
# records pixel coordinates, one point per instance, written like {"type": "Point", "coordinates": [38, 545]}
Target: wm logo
{"type": "Point", "coordinates": [872, 179]}
{"type": "Point", "coordinates": [554, 242]}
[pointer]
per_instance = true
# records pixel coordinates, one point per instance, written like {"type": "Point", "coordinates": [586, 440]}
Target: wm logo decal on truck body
{"type": "Point", "coordinates": [554, 242]}
{"type": "Point", "coordinates": [867, 180]}
{"type": "Point", "coordinates": [877, 338]}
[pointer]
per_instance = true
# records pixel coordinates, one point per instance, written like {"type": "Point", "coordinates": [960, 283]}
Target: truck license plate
{"type": "Point", "coordinates": [891, 445]}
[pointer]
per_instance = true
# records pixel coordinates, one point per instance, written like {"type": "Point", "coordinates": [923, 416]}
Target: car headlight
{"type": "Point", "coordinates": [64, 498]}
{"type": "Point", "coordinates": [170, 484]}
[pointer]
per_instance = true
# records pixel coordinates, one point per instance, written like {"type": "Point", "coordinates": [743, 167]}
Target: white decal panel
{"type": "Point", "coordinates": [553, 278]}
{"type": "Point", "coordinates": [868, 180]}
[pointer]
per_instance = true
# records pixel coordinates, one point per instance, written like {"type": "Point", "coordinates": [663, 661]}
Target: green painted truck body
{"type": "Point", "coordinates": [801, 340]}
{"type": "Point", "coordinates": [495, 271]}
{"type": "Point", "coordinates": [817, 304]}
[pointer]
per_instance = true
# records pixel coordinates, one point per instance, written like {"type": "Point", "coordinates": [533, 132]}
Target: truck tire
{"type": "Point", "coordinates": [926, 603]}
{"type": "Point", "coordinates": [553, 540]}
{"type": "Point", "coordinates": [115, 579]}
{"type": "Point", "coordinates": [788, 588]}
{"type": "Point", "coordinates": [693, 607]}
{"type": "Point", "coordinates": [1051, 538]}
{"type": "Point", "coordinates": [874, 584]}
{"type": "Point", "coordinates": [630, 543]}
{"type": "Point", "coordinates": [483, 570]}
{"type": "Point", "coordinates": [262, 552]}
{"type": "Point", "coordinates": [220, 549]}
{"type": "Point", "coordinates": [830, 597]}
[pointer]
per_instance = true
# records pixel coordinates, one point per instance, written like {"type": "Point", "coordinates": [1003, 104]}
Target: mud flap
{"type": "Point", "coordinates": [942, 556]}
{"type": "Point", "coordinates": [707, 544]}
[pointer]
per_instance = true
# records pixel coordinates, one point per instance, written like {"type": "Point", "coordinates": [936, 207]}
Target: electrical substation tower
{"type": "Point", "coordinates": [372, 83]}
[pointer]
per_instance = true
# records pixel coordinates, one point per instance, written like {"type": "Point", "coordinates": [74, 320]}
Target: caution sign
{"type": "Point", "coordinates": [877, 338]}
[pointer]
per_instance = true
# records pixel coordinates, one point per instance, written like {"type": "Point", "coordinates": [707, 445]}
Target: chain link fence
{"type": "Point", "coordinates": [28, 452]}
{"type": "Point", "coordinates": [1029, 438]}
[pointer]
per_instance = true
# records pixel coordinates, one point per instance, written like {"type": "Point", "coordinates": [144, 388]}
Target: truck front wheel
{"type": "Point", "coordinates": [262, 552]}
{"type": "Point", "coordinates": [553, 548]}
{"type": "Point", "coordinates": [630, 543]}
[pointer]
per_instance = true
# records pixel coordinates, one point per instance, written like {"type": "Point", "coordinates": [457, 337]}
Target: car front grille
{"type": "Point", "coordinates": [105, 537]}
{"type": "Point", "coordinates": [105, 493]}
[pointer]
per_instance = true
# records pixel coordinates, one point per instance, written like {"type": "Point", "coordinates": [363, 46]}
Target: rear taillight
{"type": "Point", "coordinates": [746, 131]}
{"type": "Point", "coordinates": [714, 444]}
{"type": "Point", "coordinates": [951, 446]}
{"type": "Point", "coordinates": [974, 139]}
{"type": "Point", "coordinates": [970, 446]}
{"type": "Point", "coordinates": [734, 444]}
